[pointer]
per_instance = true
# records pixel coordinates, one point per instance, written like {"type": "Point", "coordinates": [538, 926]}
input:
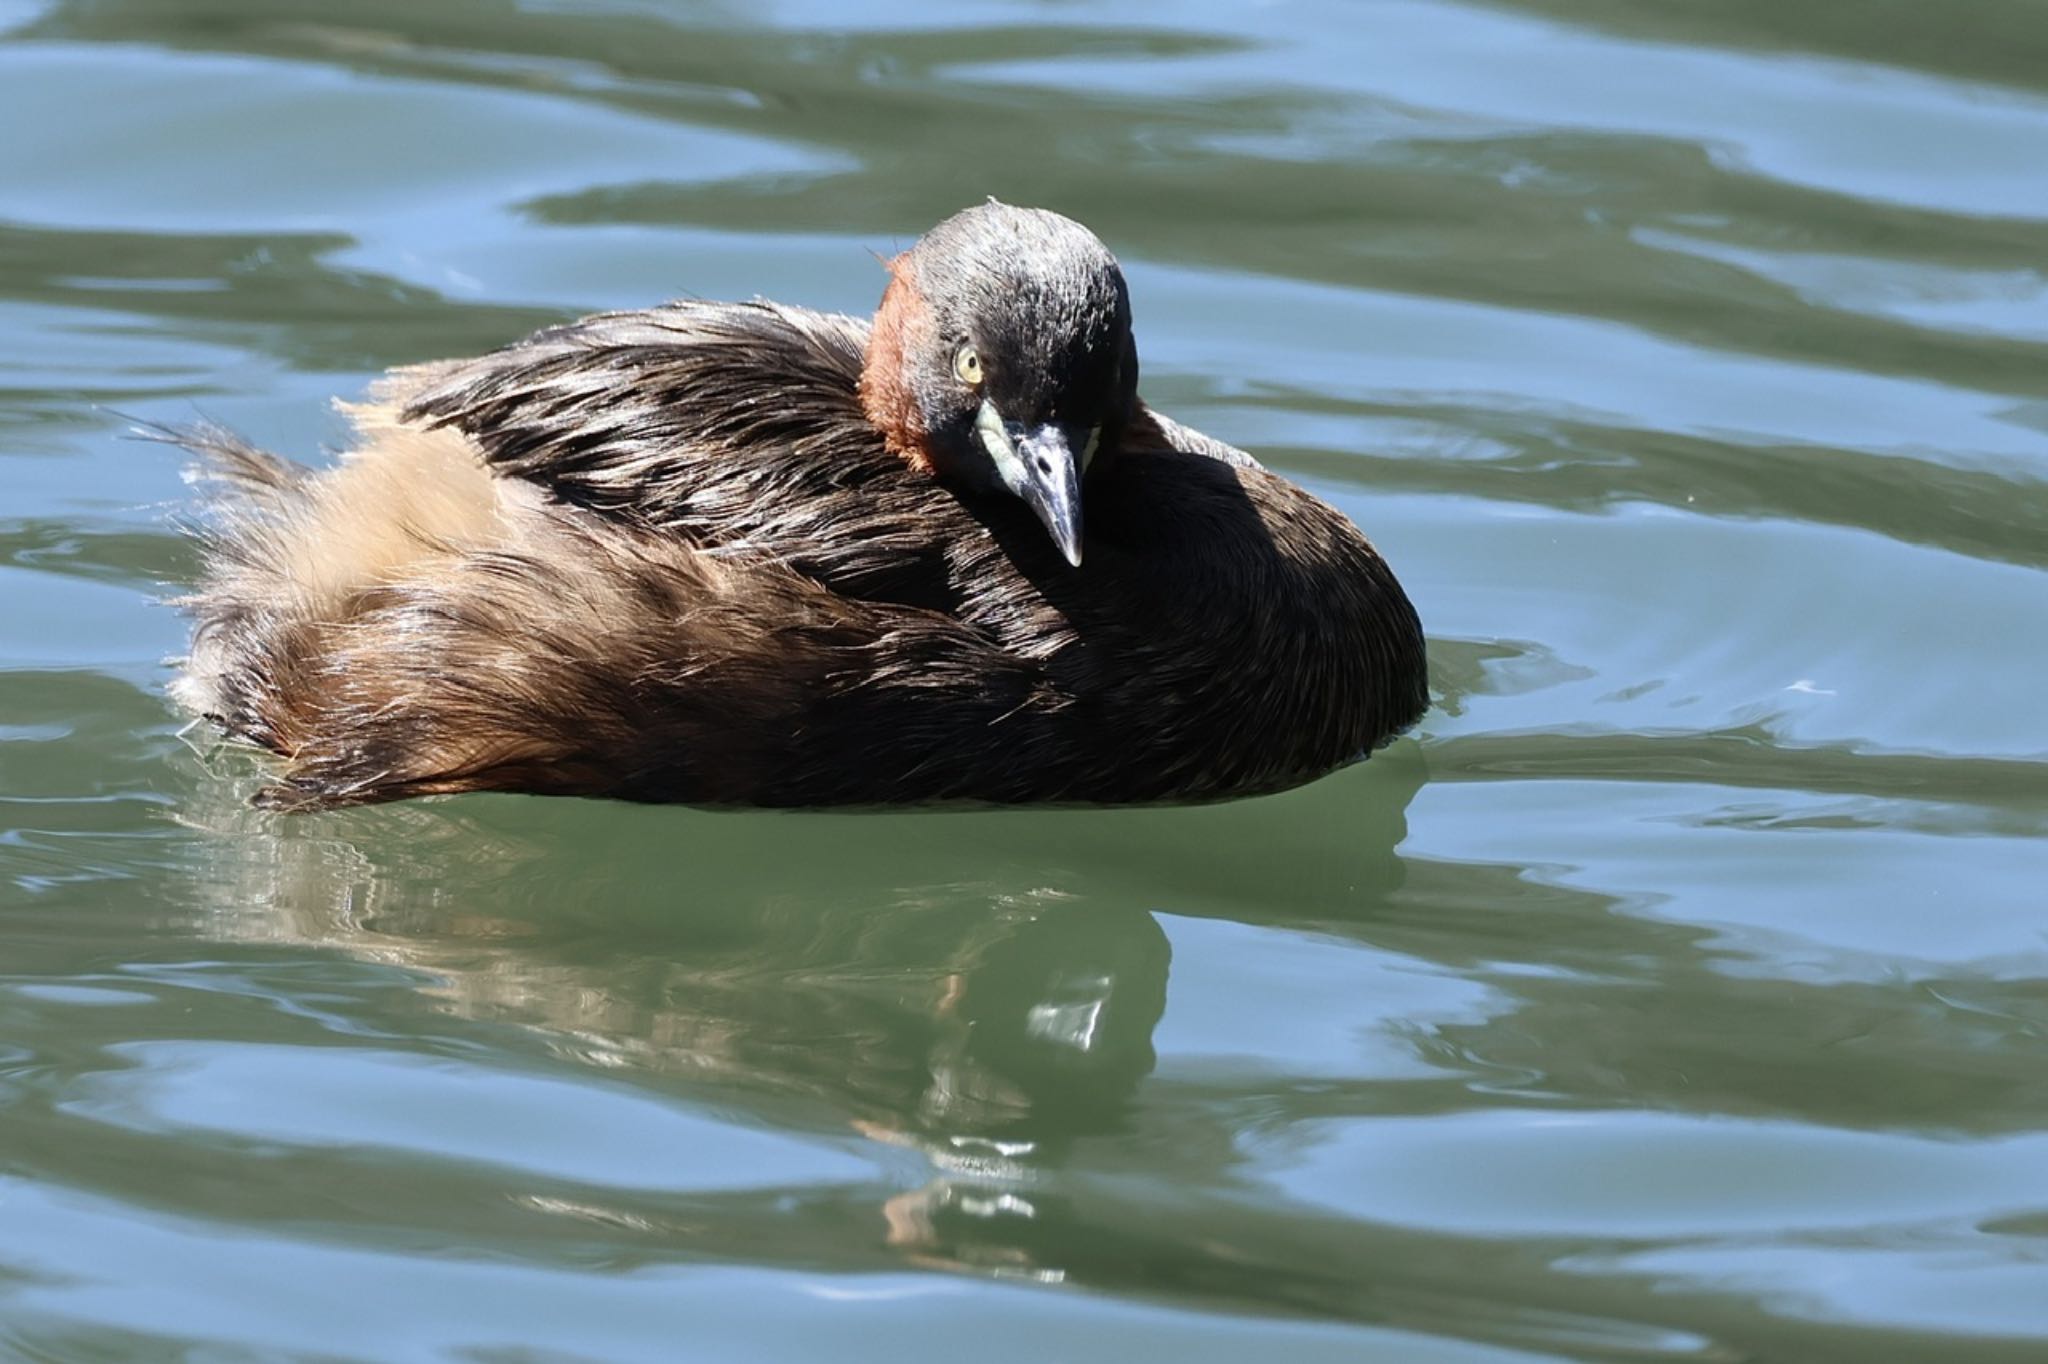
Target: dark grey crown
{"type": "Point", "coordinates": [1037, 293]}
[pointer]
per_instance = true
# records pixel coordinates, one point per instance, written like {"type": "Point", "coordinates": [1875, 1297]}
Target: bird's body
{"type": "Point", "coordinates": [707, 553]}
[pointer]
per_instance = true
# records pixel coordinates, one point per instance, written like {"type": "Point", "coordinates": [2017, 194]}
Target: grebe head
{"type": "Point", "coordinates": [1002, 359]}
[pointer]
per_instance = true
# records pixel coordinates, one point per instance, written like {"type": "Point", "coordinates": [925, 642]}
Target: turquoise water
{"type": "Point", "coordinates": [1678, 991]}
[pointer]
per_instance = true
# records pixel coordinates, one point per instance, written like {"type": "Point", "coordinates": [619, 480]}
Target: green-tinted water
{"type": "Point", "coordinates": [1680, 991]}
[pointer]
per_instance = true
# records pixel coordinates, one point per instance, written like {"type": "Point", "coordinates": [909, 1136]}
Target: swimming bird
{"type": "Point", "coordinates": [751, 554]}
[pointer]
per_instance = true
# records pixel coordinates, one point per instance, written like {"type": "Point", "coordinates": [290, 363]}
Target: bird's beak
{"type": "Point", "coordinates": [1037, 464]}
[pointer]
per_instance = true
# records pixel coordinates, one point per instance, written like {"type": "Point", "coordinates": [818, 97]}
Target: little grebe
{"type": "Point", "coordinates": [741, 553]}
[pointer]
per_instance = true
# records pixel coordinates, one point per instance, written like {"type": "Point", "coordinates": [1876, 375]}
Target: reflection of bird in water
{"type": "Point", "coordinates": [1043, 1041]}
{"type": "Point", "coordinates": [749, 554]}
{"type": "Point", "coordinates": [985, 1029]}
{"type": "Point", "coordinates": [1054, 1011]}
{"type": "Point", "coordinates": [978, 989]}
{"type": "Point", "coordinates": [940, 1001]}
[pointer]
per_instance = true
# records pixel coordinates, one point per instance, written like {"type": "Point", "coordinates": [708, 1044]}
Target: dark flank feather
{"type": "Point", "coordinates": [667, 555]}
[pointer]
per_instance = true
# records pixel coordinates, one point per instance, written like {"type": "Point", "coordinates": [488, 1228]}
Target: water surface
{"type": "Point", "coordinates": [1677, 991]}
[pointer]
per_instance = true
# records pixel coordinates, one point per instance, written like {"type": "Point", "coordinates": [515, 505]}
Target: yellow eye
{"type": "Point", "coordinates": [967, 364]}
